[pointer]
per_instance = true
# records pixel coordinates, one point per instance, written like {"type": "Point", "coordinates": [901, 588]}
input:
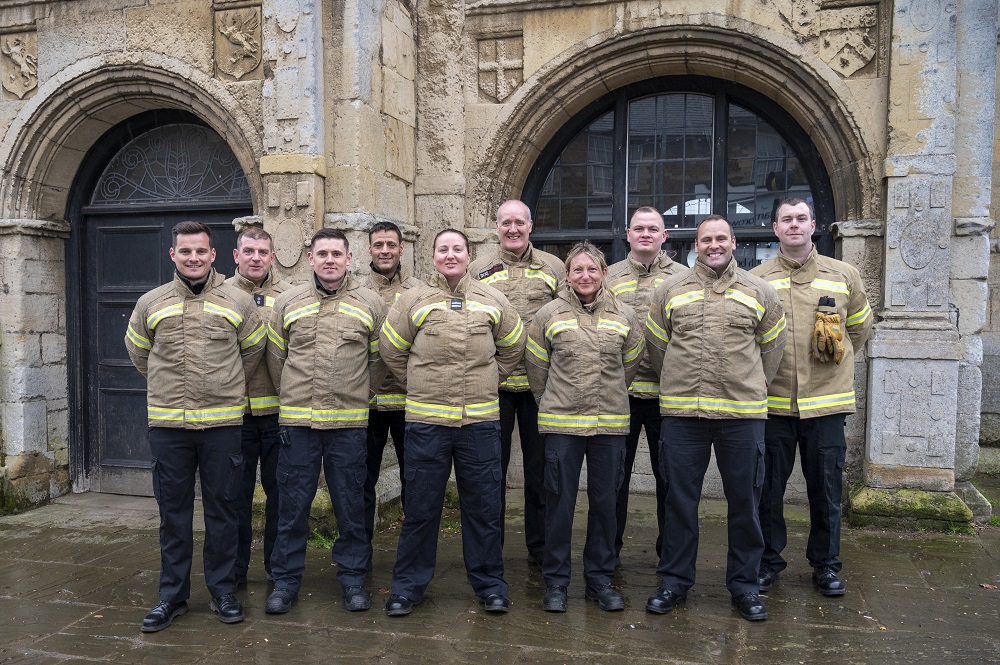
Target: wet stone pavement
{"type": "Point", "coordinates": [78, 576]}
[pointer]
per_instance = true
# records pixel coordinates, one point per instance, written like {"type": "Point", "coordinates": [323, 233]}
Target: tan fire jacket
{"type": "Point", "coordinates": [263, 396]}
{"type": "Point", "coordinates": [716, 342]}
{"type": "Point", "coordinates": [322, 351]}
{"type": "Point", "coordinates": [633, 285]}
{"type": "Point", "coordinates": [528, 283]}
{"type": "Point", "coordinates": [804, 386]}
{"type": "Point", "coordinates": [390, 396]}
{"type": "Point", "coordinates": [195, 352]}
{"type": "Point", "coordinates": [450, 350]}
{"type": "Point", "coordinates": [580, 361]}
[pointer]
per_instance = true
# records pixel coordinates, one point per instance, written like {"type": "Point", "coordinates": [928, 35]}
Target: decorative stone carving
{"type": "Point", "coordinates": [20, 63]}
{"type": "Point", "coordinates": [238, 42]}
{"type": "Point", "coordinates": [501, 67]}
{"type": "Point", "coordinates": [848, 38]}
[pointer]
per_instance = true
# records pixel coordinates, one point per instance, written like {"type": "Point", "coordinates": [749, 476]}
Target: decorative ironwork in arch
{"type": "Point", "coordinates": [178, 163]}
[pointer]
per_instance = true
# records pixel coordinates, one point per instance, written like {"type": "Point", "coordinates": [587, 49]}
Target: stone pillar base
{"type": "Point", "coordinates": [980, 506]}
{"type": "Point", "coordinates": [28, 481]}
{"type": "Point", "coordinates": [912, 508]}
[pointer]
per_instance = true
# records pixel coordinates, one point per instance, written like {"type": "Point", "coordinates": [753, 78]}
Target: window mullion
{"type": "Point", "coordinates": [720, 147]}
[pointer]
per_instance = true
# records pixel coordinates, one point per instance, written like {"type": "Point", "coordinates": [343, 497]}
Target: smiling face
{"type": "Point", "coordinates": [253, 258]}
{"type": "Point", "coordinates": [329, 259]}
{"type": "Point", "coordinates": [646, 235]}
{"type": "Point", "coordinates": [451, 257]}
{"type": "Point", "coordinates": [585, 277]}
{"type": "Point", "coordinates": [514, 227]}
{"type": "Point", "coordinates": [193, 256]}
{"type": "Point", "coordinates": [386, 249]}
{"type": "Point", "coordinates": [715, 244]}
{"type": "Point", "coordinates": [794, 226]}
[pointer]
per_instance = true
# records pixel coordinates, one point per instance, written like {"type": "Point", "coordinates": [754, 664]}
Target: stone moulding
{"type": "Point", "coordinates": [708, 45]}
{"type": "Point", "coordinates": [35, 227]}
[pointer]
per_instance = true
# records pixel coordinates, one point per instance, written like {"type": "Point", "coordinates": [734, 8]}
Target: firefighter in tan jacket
{"type": "Point", "coordinates": [529, 278]}
{"type": "Point", "coordinates": [450, 344]}
{"type": "Point", "coordinates": [583, 338]}
{"type": "Point", "coordinates": [633, 281]}
{"type": "Point", "coordinates": [254, 257]}
{"type": "Point", "coordinates": [195, 340]}
{"type": "Point", "coordinates": [386, 412]}
{"type": "Point", "coordinates": [322, 351]}
{"type": "Point", "coordinates": [811, 393]}
{"type": "Point", "coordinates": [717, 332]}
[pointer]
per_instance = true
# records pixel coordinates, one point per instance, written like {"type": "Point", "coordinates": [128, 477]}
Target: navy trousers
{"type": "Point", "coordinates": [644, 413]}
{"type": "Point", "coordinates": [214, 454]}
{"type": "Point", "coordinates": [260, 442]}
{"type": "Point", "coordinates": [380, 425]}
{"type": "Point", "coordinates": [430, 452]}
{"type": "Point", "coordinates": [521, 406]}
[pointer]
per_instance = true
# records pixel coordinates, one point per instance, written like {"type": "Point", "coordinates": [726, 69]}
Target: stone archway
{"type": "Point", "coordinates": [767, 62]}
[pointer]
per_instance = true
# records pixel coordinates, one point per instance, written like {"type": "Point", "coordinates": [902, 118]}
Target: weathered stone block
{"type": "Point", "coordinates": [40, 317]}
{"type": "Point", "coordinates": [391, 196]}
{"type": "Point", "coordinates": [399, 149]}
{"type": "Point", "coordinates": [932, 479]}
{"type": "Point", "coordinates": [399, 97]}
{"type": "Point", "coordinates": [547, 34]}
{"type": "Point", "coordinates": [969, 298]}
{"type": "Point", "coordinates": [398, 50]}
{"type": "Point", "coordinates": [917, 508]}
{"type": "Point", "coordinates": [980, 506]}
{"type": "Point", "coordinates": [53, 349]}
{"type": "Point", "coordinates": [22, 349]}
{"type": "Point", "coordinates": [351, 188]}
{"type": "Point", "coordinates": [970, 257]}
{"type": "Point", "coordinates": [357, 130]}
{"type": "Point", "coordinates": [25, 427]}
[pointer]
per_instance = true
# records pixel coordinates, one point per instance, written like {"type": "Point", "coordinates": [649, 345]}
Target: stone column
{"type": "Point", "coordinates": [917, 349]}
{"type": "Point", "coordinates": [293, 165]}
{"type": "Point", "coordinates": [34, 451]}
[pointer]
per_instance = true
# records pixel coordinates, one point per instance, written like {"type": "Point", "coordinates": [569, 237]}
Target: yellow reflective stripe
{"type": "Point", "coordinates": [634, 353]}
{"type": "Point", "coordinates": [653, 327]}
{"type": "Point", "coordinates": [494, 312]}
{"type": "Point", "coordinates": [713, 404]}
{"type": "Point", "coordinates": [437, 410]}
{"type": "Point", "coordinates": [657, 281]}
{"type": "Point", "coordinates": [559, 326]}
{"type": "Point", "coordinates": [823, 401]}
{"type": "Point", "coordinates": [421, 314]}
{"type": "Point", "coordinates": [644, 387]}
{"type": "Point", "coordinates": [391, 399]}
{"type": "Point", "coordinates": [683, 299]}
{"type": "Point", "coordinates": [511, 338]}
{"type": "Point", "coordinates": [373, 346]}
{"type": "Point", "coordinates": [263, 402]}
{"type": "Point", "coordinates": [395, 339]}
{"type": "Point", "coordinates": [195, 415]}
{"type": "Point", "coordinates": [783, 283]}
{"type": "Point", "coordinates": [138, 339]}
{"type": "Point", "coordinates": [625, 287]}
{"type": "Point", "coordinates": [277, 339]}
{"type": "Point", "coordinates": [268, 301]}
{"type": "Point", "coordinates": [496, 277]}
{"type": "Point", "coordinates": [534, 273]}
{"type": "Point", "coordinates": [515, 381]}
{"type": "Point", "coordinates": [228, 314]}
{"type": "Point", "coordinates": [537, 350]}
{"type": "Point", "coordinates": [361, 315]}
{"type": "Point", "coordinates": [296, 314]}
{"type": "Point", "coordinates": [859, 317]}
{"type": "Point", "coordinates": [154, 319]}
{"type": "Point", "coordinates": [784, 403]}
{"type": "Point", "coordinates": [483, 408]}
{"type": "Point", "coordinates": [744, 299]}
{"type": "Point", "coordinates": [254, 337]}
{"type": "Point", "coordinates": [577, 420]}
{"type": "Point", "coordinates": [323, 415]}
{"type": "Point", "coordinates": [773, 332]}
{"type": "Point", "coordinates": [608, 324]}
{"type": "Point", "coordinates": [827, 285]}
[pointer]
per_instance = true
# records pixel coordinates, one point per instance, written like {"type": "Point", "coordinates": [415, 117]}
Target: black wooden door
{"type": "Point", "coordinates": [146, 176]}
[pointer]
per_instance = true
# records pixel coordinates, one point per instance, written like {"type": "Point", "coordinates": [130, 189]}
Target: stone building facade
{"type": "Point", "coordinates": [120, 117]}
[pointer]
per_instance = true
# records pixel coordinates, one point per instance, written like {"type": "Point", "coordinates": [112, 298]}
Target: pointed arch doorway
{"type": "Point", "coordinates": [142, 177]}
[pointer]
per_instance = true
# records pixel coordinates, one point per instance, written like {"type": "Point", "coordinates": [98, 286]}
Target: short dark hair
{"type": "Point", "coordinates": [190, 228]}
{"type": "Point", "coordinates": [441, 233]}
{"type": "Point", "coordinates": [254, 233]}
{"type": "Point", "coordinates": [793, 201]}
{"type": "Point", "coordinates": [385, 226]}
{"type": "Point", "coordinates": [719, 218]}
{"type": "Point", "coordinates": [331, 234]}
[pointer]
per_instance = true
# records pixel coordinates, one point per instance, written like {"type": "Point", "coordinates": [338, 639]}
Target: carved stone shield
{"type": "Point", "coordinates": [238, 38]}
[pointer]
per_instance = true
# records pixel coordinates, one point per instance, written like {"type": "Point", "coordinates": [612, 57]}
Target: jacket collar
{"type": "Point", "coordinates": [720, 283]}
{"type": "Point", "coordinates": [183, 285]}
{"type": "Point", "coordinates": [800, 272]}
{"type": "Point", "coordinates": [599, 304]}
{"type": "Point", "coordinates": [249, 286]}
{"type": "Point", "coordinates": [381, 279]}
{"type": "Point", "coordinates": [511, 258]}
{"type": "Point", "coordinates": [348, 284]}
{"type": "Point", "coordinates": [659, 264]}
{"type": "Point", "coordinates": [438, 280]}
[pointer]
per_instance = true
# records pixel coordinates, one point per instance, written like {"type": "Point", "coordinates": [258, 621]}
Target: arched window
{"type": "Point", "coordinates": [688, 146]}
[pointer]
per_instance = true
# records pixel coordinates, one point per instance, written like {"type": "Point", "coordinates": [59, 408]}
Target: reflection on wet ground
{"type": "Point", "coordinates": [79, 575]}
